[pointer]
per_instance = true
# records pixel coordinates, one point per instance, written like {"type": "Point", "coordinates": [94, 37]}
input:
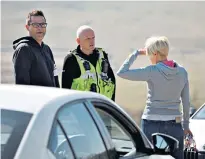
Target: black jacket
{"type": "Point", "coordinates": [71, 69]}
{"type": "Point", "coordinates": [33, 64]}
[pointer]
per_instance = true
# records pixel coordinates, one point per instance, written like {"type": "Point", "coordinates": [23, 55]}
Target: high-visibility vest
{"type": "Point", "coordinates": [92, 78]}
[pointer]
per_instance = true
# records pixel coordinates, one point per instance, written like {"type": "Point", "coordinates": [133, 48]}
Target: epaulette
{"type": "Point", "coordinates": [99, 49]}
{"type": "Point", "coordinates": [73, 51]}
{"type": "Point", "coordinates": [70, 54]}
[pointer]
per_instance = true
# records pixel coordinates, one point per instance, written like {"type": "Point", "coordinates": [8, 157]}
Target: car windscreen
{"type": "Point", "coordinates": [200, 114]}
{"type": "Point", "coordinates": [13, 126]}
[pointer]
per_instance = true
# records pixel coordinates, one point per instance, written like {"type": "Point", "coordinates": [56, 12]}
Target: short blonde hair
{"type": "Point", "coordinates": [157, 44]}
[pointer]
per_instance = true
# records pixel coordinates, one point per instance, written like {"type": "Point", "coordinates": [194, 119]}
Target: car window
{"type": "Point", "coordinates": [13, 127]}
{"type": "Point", "coordinates": [58, 144]}
{"type": "Point", "coordinates": [121, 138]}
{"type": "Point", "coordinates": [81, 131]}
{"type": "Point", "coordinates": [114, 127]}
{"type": "Point", "coordinates": [200, 114]}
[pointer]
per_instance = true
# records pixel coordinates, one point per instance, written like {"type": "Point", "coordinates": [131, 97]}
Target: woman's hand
{"type": "Point", "coordinates": [142, 51]}
{"type": "Point", "coordinates": [186, 132]}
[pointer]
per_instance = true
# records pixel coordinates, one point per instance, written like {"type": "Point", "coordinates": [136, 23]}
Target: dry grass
{"type": "Point", "coordinates": [119, 28]}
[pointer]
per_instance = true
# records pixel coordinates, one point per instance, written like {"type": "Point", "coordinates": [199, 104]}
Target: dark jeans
{"type": "Point", "coordinates": [167, 127]}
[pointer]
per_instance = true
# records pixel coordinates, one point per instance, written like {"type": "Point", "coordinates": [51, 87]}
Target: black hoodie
{"type": "Point", "coordinates": [33, 64]}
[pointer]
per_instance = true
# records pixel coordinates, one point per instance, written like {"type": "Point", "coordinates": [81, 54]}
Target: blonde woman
{"type": "Point", "coordinates": [167, 84]}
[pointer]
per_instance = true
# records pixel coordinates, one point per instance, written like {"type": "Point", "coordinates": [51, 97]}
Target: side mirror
{"type": "Point", "coordinates": [192, 111]}
{"type": "Point", "coordinates": [164, 144]}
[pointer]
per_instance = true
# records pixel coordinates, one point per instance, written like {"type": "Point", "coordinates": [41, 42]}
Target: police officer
{"type": "Point", "coordinates": [87, 68]}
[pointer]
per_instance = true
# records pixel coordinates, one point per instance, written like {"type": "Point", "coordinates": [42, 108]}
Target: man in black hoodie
{"type": "Point", "coordinates": [33, 60]}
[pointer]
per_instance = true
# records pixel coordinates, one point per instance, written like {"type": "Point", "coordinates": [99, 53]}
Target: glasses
{"type": "Point", "coordinates": [36, 25]}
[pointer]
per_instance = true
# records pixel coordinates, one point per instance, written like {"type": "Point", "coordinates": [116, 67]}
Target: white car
{"type": "Point", "coordinates": [197, 126]}
{"type": "Point", "coordinates": [52, 123]}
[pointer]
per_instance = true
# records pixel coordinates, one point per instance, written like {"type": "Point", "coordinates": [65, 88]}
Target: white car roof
{"type": "Point", "coordinates": [33, 98]}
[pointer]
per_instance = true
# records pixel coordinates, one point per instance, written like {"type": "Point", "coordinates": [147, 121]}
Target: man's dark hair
{"type": "Point", "coordinates": [34, 13]}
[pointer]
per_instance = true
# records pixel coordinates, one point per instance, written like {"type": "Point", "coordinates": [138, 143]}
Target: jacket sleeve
{"type": "Point", "coordinates": [68, 71]}
{"type": "Point", "coordinates": [22, 61]}
{"type": "Point", "coordinates": [139, 74]}
{"type": "Point", "coordinates": [186, 104]}
{"type": "Point", "coordinates": [111, 75]}
{"type": "Point", "coordinates": [55, 69]}
{"type": "Point", "coordinates": [57, 81]}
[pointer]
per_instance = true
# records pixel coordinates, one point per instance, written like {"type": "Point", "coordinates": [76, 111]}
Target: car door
{"type": "Point", "coordinates": [74, 134]}
{"type": "Point", "coordinates": [127, 139]}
